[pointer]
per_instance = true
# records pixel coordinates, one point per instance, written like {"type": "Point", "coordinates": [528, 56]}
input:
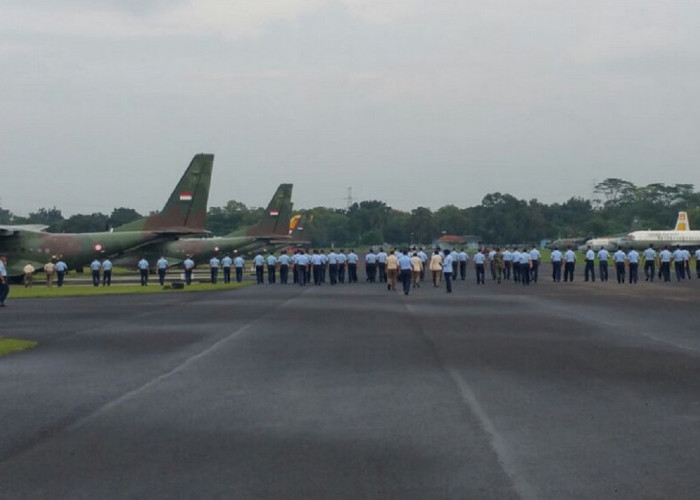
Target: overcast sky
{"type": "Point", "coordinates": [416, 103]}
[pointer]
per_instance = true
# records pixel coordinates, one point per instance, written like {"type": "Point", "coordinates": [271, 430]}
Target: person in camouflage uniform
{"type": "Point", "coordinates": [498, 264]}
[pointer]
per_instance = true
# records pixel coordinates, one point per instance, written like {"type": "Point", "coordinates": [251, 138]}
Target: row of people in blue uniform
{"type": "Point", "coordinates": [520, 265]}
{"type": "Point", "coordinates": [627, 263]}
{"type": "Point", "coordinates": [304, 267]}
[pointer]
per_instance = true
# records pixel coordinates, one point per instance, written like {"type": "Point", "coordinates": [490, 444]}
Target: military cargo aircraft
{"type": "Point", "coordinates": [273, 227]}
{"type": "Point", "coordinates": [562, 243]}
{"type": "Point", "coordinates": [184, 213]}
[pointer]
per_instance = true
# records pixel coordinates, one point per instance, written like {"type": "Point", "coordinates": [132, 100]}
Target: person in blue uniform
{"type": "Point", "coordinates": [463, 258]}
{"type": "Point", "coordinates": [259, 262]}
{"type": "Point", "coordinates": [535, 257]}
{"type": "Point", "coordinates": [271, 268]}
{"type": "Point", "coordinates": [603, 256]}
{"type": "Point", "coordinates": [424, 260]}
{"type": "Point", "coordinates": [447, 269]}
{"type": "Point", "coordinates": [556, 257]}
{"type": "Point", "coordinates": [507, 263]}
{"type": "Point", "coordinates": [633, 264]}
{"type": "Point", "coordinates": [333, 267]}
{"type": "Point", "coordinates": [525, 267]}
{"type": "Point", "coordinates": [61, 270]}
{"type": "Point", "coordinates": [341, 265]}
{"type": "Point", "coordinates": [316, 263]}
{"type": "Point", "coordinates": [4, 281]}
{"type": "Point", "coordinates": [479, 260]}
{"type": "Point", "coordinates": [405, 268]}
{"type": "Point", "coordinates": [238, 263]}
{"type": "Point", "coordinates": [302, 265]}
{"type": "Point", "coordinates": [324, 265]}
{"type": "Point", "coordinates": [649, 258]}
{"type": "Point", "coordinates": [106, 272]}
{"type": "Point", "coordinates": [619, 258]}
{"type": "Point", "coordinates": [352, 266]}
{"type": "Point", "coordinates": [143, 271]}
{"type": "Point", "coordinates": [226, 264]}
{"type": "Point", "coordinates": [214, 264]}
{"type": "Point", "coordinates": [515, 255]}
{"type": "Point", "coordinates": [686, 262]}
{"type": "Point", "coordinates": [678, 263]}
{"type": "Point", "coordinates": [589, 270]}
{"type": "Point", "coordinates": [188, 265]}
{"type": "Point", "coordinates": [569, 264]}
{"type": "Point", "coordinates": [371, 266]}
{"type": "Point", "coordinates": [162, 266]}
{"type": "Point", "coordinates": [95, 268]}
{"type": "Point", "coordinates": [284, 267]}
{"type": "Point", "coordinates": [665, 264]}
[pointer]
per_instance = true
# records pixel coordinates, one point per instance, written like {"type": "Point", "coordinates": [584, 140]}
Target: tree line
{"type": "Point", "coordinates": [619, 206]}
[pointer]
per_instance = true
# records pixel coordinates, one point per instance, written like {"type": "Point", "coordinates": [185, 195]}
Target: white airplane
{"type": "Point", "coordinates": [680, 236]}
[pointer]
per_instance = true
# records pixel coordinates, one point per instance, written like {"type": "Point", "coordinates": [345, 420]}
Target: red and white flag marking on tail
{"type": "Point", "coordinates": [185, 196]}
{"type": "Point", "coordinates": [274, 213]}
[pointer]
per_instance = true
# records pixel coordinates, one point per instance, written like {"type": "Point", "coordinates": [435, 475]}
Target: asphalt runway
{"type": "Point", "coordinates": [553, 391]}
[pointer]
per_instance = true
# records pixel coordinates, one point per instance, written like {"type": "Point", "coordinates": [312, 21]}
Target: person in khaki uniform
{"type": "Point", "coordinates": [28, 274]}
{"type": "Point", "coordinates": [50, 270]}
{"type": "Point", "coordinates": [436, 267]}
{"type": "Point", "coordinates": [416, 269]}
{"type": "Point", "coordinates": [392, 270]}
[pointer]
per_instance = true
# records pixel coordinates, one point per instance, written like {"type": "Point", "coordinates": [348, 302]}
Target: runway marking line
{"type": "Point", "coordinates": [499, 445]}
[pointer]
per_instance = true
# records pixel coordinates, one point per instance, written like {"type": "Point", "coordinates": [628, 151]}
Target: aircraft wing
{"type": "Point", "coordinates": [14, 229]}
{"type": "Point", "coordinates": [290, 242]}
{"type": "Point", "coordinates": [180, 231]}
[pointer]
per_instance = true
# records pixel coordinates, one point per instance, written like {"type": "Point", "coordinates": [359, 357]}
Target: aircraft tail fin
{"type": "Point", "coordinates": [186, 208]}
{"type": "Point", "coordinates": [275, 219]}
{"type": "Point", "coordinates": [682, 223]}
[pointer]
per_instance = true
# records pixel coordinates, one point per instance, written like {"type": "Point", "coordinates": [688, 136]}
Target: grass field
{"type": "Point", "coordinates": [40, 291]}
{"type": "Point", "coordinates": [13, 345]}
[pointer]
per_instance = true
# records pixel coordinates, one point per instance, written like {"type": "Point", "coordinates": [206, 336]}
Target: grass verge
{"type": "Point", "coordinates": [8, 346]}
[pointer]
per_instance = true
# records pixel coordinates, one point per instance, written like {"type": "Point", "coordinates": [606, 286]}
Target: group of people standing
{"type": "Point", "coordinates": [105, 266]}
{"type": "Point", "coordinates": [306, 267]}
{"type": "Point", "coordinates": [655, 263]}
{"type": "Point", "coordinates": [56, 269]}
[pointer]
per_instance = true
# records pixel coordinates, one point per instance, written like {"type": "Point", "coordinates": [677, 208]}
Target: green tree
{"type": "Point", "coordinates": [122, 215]}
{"type": "Point", "coordinates": [422, 226]}
{"type": "Point", "coordinates": [616, 191]}
{"type": "Point", "coordinates": [6, 216]}
{"type": "Point", "coordinates": [397, 229]}
{"type": "Point", "coordinates": [327, 226]}
{"type": "Point", "coordinates": [81, 223]}
{"type": "Point", "coordinates": [230, 217]}
{"type": "Point", "coordinates": [48, 216]}
{"type": "Point", "coordinates": [369, 216]}
{"type": "Point", "coordinates": [451, 220]}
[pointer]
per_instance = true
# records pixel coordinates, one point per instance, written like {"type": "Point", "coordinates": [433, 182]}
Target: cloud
{"type": "Point", "coordinates": [242, 18]}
